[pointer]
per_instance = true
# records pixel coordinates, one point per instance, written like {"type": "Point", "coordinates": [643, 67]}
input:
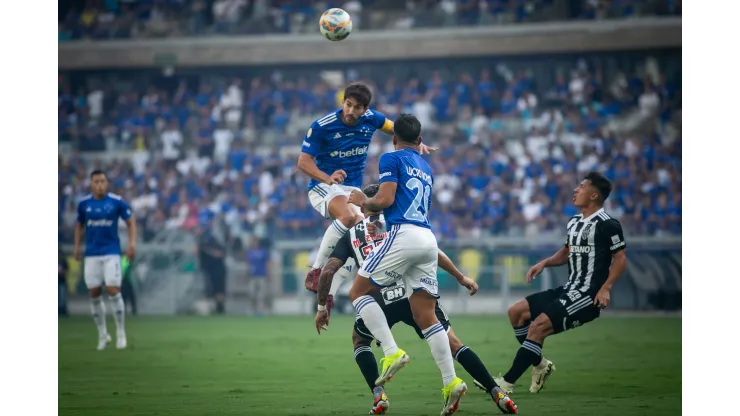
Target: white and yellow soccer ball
{"type": "Point", "coordinates": [335, 24]}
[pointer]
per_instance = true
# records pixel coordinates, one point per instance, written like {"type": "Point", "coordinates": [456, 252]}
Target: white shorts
{"type": "Point", "coordinates": [103, 270]}
{"type": "Point", "coordinates": [321, 194]}
{"type": "Point", "coordinates": [409, 252]}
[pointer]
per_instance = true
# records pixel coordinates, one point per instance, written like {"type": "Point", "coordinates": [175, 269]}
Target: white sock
{"type": "Point", "coordinates": [97, 308]}
{"type": "Point", "coordinates": [439, 343]}
{"type": "Point", "coordinates": [119, 311]}
{"type": "Point", "coordinates": [332, 234]}
{"type": "Point", "coordinates": [375, 321]}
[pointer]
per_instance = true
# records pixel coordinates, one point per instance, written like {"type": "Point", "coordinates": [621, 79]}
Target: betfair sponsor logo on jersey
{"type": "Point", "coordinates": [357, 151]}
{"type": "Point", "coordinates": [99, 223]}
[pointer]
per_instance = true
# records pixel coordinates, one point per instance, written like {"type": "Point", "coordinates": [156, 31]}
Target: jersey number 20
{"type": "Point", "coordinates": [418, 210]}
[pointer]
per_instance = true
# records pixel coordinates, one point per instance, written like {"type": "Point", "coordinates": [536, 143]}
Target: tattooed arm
{"type": "Point", "coordinates": [337, 258]}
{"type": "Point", "coordinates": [342, 251]}
{"type": "Point", "coordinates": [327, 275]}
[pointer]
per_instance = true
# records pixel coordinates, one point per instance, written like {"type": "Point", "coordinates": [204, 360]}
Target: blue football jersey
{"type": "Point", "coordinates": [414, 180]}
{"type": "Point", "coordinates": [338, 146]}
{"type": "Point", "coordinates": [100, 218]}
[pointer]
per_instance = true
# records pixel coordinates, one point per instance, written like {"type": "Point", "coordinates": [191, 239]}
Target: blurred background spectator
{"type": "Point", "coordinates": [121, 19]}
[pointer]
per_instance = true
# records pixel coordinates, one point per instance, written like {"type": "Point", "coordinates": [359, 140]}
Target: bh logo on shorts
{"type": "Point", "coordinates": [393, 293]}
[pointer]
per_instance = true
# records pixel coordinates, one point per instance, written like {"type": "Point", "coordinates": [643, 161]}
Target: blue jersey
{"type": "Point", "coordinates": [414, 180]}
{"type": "Point", "coordinates": [336, 145]}
{"type": "Point", "coordinates": [100, 218]}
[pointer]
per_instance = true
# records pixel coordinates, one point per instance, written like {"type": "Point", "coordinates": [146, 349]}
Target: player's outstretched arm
{"type": "Point", "coordinates": [619, 265]}
{"type": "Point", "coordinates": [383, 199]}
{"type": "Point", "coordinates": [322, 293]}
{"type": "Point", "coordinates": [446, 264]}
{"type": "Point", "coordinates": [557, 259]}
{"type": "Point", "coordinates": [327, 275]}
{"type": "Point", "coordinates": [310, 149]}
{"type": "Point", "coordinates": [387, 127]}
{"type": "Point", "coordinates": [613, 237]}
{"type": "Point", "coordinates": [307, 165]}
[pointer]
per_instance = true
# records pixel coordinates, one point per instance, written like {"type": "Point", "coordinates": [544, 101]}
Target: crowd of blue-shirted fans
{"type": "Point", "coordinates": [512, 146]}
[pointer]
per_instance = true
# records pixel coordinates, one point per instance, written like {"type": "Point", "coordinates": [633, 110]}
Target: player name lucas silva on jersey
{"type": "Point", "coordinates": [415, 172]}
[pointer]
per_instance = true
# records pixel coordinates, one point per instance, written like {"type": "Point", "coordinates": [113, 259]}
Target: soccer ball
{"type": "Point", "coordinates": [335, 24]}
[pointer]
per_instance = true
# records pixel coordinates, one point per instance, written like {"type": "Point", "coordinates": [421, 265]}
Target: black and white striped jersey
{"type": "Point", "coordinates": [592, 242]}
{"type": "Point", "coordinates": [357, 243]}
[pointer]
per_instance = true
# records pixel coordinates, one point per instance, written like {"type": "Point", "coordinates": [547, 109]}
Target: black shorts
{"type": "Point", "coordinates": [401, 312]}
{"type": "Point", "coordinates": [566, 310]}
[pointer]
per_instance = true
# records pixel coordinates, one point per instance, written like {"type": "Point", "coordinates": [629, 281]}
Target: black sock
{"type": "Point", "coordinates": [475, 367]}
{"type": "Point", "coordinates": [530, 353]}
{"type": "Point", "coordinates": [366, 361]}
{"type": "Point", "coordinates": [521, 332]}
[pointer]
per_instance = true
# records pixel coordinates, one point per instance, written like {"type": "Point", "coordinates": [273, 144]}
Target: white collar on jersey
{"type": "Point", "coordinates": [593, 215]}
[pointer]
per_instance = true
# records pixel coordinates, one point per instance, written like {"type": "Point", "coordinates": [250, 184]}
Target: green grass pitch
{"type": "Point", "coordinates": [279, 366]}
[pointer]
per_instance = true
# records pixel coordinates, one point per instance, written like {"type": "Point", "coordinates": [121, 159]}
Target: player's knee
{"type": "Point", "coordinates": [349, 219]}
{"type": "Point", "coordinates": [358, 289]}
{"type": "Point", "coordinates": [358, 341]}
{"type": "Point", "coordinates": [519, 313]}
{"type": "Point", "coordinates": [95, 292]}
{"type": "Point", "coordinates": [540, 328]}
{"type": "Point", "coordinates": [113, 290]}
{"type": "Point", "coordinates": [425, 319]}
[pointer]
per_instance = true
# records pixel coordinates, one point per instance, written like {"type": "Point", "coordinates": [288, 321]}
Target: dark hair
{"type": "Point", "coordinates": [371, 190]}
{"type": "Point", "coordinates": [360, 92]}
{"type": "Point", "coordinates": [97, 172]}
{"type": "Point", "coordinates": [407, 128]}
{"type": "Point", "coordinates": [601, 183]}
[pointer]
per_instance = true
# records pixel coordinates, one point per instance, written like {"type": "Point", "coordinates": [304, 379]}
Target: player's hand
{"type": "Point", "coordinates": [603, 298]}
{"type": "Point", "coordinates": [425, 150]}
{"type": "Point", "coordinates": [374, 227]}
{"type": "Point", "coordinates": [322, 321]}
{"type": "Point", "coordinates": [131, 252]}
{"type": "Point", "coordinates": [338, 176]}
{"type": "Point", "coordinates": [469, 284]}
{"type": "Point", "coordinates": [78, 254]}
{"type": "Point", "coordinates": [357, 197]}
{"type": "Point", "coordinates": [535, 271]}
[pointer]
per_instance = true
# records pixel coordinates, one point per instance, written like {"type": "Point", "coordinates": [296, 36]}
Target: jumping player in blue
{"type": "Point", "coordinates": [409, 252]}
{"type": "Point", "coordinates": [97, 215]}
{"type": "Point", "coordinates": [334, 155]}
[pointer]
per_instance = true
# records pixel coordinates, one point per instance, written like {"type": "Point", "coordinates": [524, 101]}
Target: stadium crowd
{"type": "Point", "coordinates": [120, 19]}
{"type": "Point", "coordinates": [512, 147]}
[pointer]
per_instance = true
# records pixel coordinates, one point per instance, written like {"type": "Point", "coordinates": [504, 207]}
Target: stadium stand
{"type": "Point", "coordinates": [514, 136]}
